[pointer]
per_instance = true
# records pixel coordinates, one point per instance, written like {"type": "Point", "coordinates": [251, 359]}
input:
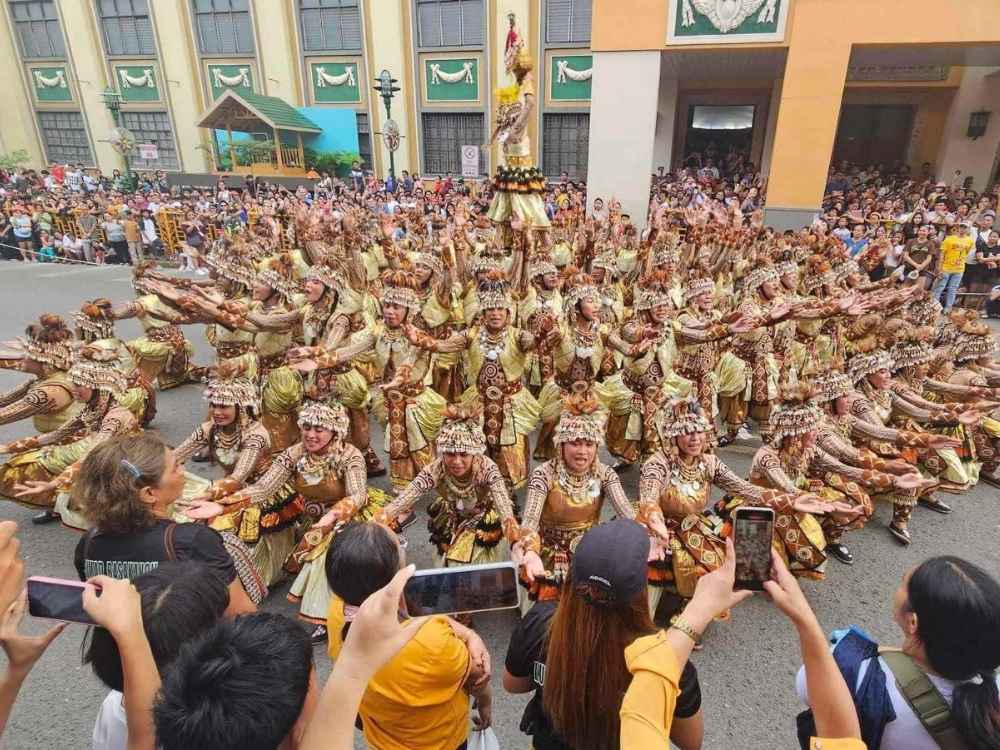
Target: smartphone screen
{"type": "Point", "coordinates": [470, 588]}
{"type": "Point", "coordinates": [57, 599]}
{"type": "Point", "coordinates": [752, 532]}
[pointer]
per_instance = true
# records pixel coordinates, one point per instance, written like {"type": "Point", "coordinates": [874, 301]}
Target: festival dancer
{"type": "Point", "coordinates": [472, 512]}
{"type": "Point", "coordinates": [43, 465]}
{"type": "Point", "coordinates": [565, 497]}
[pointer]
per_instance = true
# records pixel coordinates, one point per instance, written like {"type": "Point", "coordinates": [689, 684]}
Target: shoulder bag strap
{"type": "Point", "coordinates": [168, 541]}
{"type": "Point", "coordinates": [925, 700]}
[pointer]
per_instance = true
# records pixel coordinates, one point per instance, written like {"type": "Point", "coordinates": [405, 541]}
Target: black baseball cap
{"type": "Point", "coordinates": [612, 557]}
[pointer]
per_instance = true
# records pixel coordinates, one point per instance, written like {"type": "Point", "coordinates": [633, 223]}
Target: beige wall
{"type": "Point", "coordinates": [980, 90]}
{"type": "Point", "coordinates": [182, 83]}
{"type": "Point", "coordinates": [86, 60]}
{"type": "Point", "coordinates": [17, 126]}
{"type": "Point", "coordinates": [387, 28]}
{"type": "Point", "coordinates": [274, 24]}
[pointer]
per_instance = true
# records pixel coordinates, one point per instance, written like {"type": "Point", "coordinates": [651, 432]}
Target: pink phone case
{"type": "Point", "coordinates": [64, 583]}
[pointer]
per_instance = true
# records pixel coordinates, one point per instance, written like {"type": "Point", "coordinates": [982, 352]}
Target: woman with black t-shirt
{"type": "Point", "coordinates": [571, 653]}
{"type": "Point", "coordinates": [125, 490]}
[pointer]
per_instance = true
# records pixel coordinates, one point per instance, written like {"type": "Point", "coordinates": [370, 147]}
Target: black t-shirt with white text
{"type": "Point", "coordinates": [526, 658]}
{"type": "Point", "coordinates": [130, 555]}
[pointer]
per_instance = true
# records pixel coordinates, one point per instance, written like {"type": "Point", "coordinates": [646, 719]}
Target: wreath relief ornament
{"type": "Point", "coordinates": [50, 82]}
{"type": "Point", "coordinates": [145, 80]}
{"type": "Point", "coordinates": [565, 73]}
{"type": "Point", "coordinates": [726, 15]}
{"type": "Point", "coordinates": [241, 79]}
{"type": "Point", "coordinates": [459, 76]}
{"type": "Point", "coordinates": [324, 79]}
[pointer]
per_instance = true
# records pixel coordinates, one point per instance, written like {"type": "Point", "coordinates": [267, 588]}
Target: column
{"type": "Point", "coordinates": [86, 58]}
{"type": "Point", "coordinates": [622, 128]}
{"type": "Point", "coordinates": [771, 128]}
{"type": "Point", "coordinates": [666, 118]}
{"type": "Point", "coordinates": [17, 126]}
{"type": "Point", "coordinates": [980, 90]}
{"type": "Point", "coordinates": [808, 113]}
{"type": "Point", "coordinates": [391, 49]}
{"type": "Point", "coordinates": [278, 50]}
{"type": "Point", "coordinates": [182, 83]}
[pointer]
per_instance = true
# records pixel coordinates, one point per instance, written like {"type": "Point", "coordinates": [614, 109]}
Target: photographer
{"type": "Point", "coordinates": [420, 699]}
{"type": "Point", "coordinates": [601, 612]}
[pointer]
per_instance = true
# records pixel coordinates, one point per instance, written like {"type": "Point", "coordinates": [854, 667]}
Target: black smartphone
{"type": "Point", "coordinates": [57, 599]}
{"type": "Point", "coordinates": [753, 530]}
{"type": "Point", "coordinates": [469, 588]}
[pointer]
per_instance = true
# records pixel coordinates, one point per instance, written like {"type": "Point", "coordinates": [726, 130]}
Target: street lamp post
{"type": "Point", "coordinates": [386, 86]}
{"type": "Point", "coordinates": [121, 139]}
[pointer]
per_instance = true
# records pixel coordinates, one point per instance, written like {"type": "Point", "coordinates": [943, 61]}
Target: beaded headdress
{"type": "Point", "coordinates": [400, 288]}
{"type": "Point", "coordinates": [483, 263]}
{"type": "Point", "coordinates": [681, 416]}
{"type": "Point", "coordinates": [461, 433]}
{"type": "Point", "coordinates": [846, 268]}
{"type": "Point", "coordinates": [579, 286]}
{"type": "Point", "coordinates": [229, 263]}
{"type": "Point", "coordinates": [326, 274]}
{"type": "Point", "coordinates": [796, 415]}
{"type": "Point", "coordinates": [831, 385]}
{"type": "Point", "coordinates": [607, 261]}
{"type": "Point", "coordinates": [863, 365]}
{"type": "Point", "coordinates": [758, 276]}
{"type": "Point", "coordinates": [652, 291]}
{"type": "Point", "coordinates": [99, 369]}
{"type": "Point", "coordinates": [697, 287]}
{"type": "Point", "coordinates": [237, 391]}
{"type": "Point", "coordinates": [494, 291]}
{"type": "Point", "coordinates": [580, 420]}
{"type": "Point", "coordinates": [913, 350]}
{"type": "Point", "coordinates": [48, 342]}
{"type": "Point", "coordinates": [94, 320]}
{"type": "Point", "coordinates": [540, 266]}
{"type": "Point", "coordinates": [970, 346]}
{"type": "Point", "coordinates": [329, 415]}
{"type": "Point", "coordinates": [279, 275]}
{"type": "Point", "coordinates": [429, 260]}
{"type": "Point", "coordinates": [789, 266]}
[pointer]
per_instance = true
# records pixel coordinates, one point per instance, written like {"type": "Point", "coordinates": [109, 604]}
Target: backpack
{"type": "Point", "coordinates": [927, 704]}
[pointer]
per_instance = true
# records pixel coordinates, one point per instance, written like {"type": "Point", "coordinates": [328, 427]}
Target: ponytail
{"type": "Point", "coordinates": [975, 710]}
{"type": "Point", "coordinates": [957, 605]}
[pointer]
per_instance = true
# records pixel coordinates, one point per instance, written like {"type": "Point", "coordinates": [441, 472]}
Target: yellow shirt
{"type": "Point", "coordinates": [648, 708]}
{"type": "Point", "coordinates": [953, 253]}
{"type": "Point", "coordinates": [416, 701]}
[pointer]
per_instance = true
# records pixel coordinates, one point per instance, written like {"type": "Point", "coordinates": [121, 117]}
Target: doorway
{"type": "Point", "coordinates": [873, 133]}
{"type": "Point", "coordinates": [720, 132]}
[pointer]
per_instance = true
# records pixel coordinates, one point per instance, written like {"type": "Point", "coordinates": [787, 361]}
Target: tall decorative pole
{"type": "Point", "coordinates": [386, 86]}
{"type": "Point", "coordinates": [121, 138]}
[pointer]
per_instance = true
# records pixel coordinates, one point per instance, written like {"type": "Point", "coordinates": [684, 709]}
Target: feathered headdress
{"type": "Point", "coordinates": [99, 369]}
{"type": "Point", "coordinates": [48, 342]}
{"type": "Point", "coordinates": [581, 419]}
{"type": "Point", "coordinates": [400, 288]}
{"type": "Point", "coordinates": [94, 321]}
{"type": "Point", "coordinates": [681, 416]}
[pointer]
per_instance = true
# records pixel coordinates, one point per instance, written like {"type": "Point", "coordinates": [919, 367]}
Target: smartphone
{"type": "Point", "coordinates": [753, 529]}
{"type": "Point", "coordinates": [469, 588]}
{"type": "Point", "coordinates": [57, 599]}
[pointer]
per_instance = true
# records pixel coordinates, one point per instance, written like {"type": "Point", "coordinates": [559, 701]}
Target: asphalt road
{"type": "Point", "coordinates": [747, 668]}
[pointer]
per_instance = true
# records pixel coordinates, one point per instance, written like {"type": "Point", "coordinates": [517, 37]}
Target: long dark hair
{"type": "Point", "coordinates": [363, 557]}
{"type": "Point", "coordinates": [586, 676]}
{"type": "Point", "coordinates": [957, 605]}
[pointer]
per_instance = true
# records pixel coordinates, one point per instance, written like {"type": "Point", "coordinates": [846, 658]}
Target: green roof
{"type": "Point", "coordinates": [274, 112]}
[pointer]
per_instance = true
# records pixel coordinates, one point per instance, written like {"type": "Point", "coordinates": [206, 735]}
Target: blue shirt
{"type": "Point", "coordinates": [856, 246]}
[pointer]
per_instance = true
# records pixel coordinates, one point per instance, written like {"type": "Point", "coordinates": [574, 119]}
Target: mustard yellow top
{"type": "Point", "coordinates": [416, 701]}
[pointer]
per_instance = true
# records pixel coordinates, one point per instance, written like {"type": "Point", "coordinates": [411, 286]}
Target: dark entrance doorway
{"type": "Point", "coordinates": [873, 133]}
{"type": "Point", "coordinates": [718, 132]}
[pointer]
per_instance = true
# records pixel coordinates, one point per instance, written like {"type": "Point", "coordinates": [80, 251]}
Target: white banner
{"type": "Point", "coordinates": [148, 151]}
{"type": "Point", "coordinates": [470, 161]}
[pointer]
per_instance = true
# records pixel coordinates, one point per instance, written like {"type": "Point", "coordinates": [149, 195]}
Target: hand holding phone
{"type": "Point", "coordinates": [22, 650]}
{"type": "Point", "coordinates": [753, 530]}
{"type": "Point", "coordinates": [57, 599]}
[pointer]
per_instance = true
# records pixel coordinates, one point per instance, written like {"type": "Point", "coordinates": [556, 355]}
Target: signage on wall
{"type": "Point", "coordinates": [451, 79]}
{"type": "Point", "coordinates": [51, 84]}
{"type": "Point", "coordinates": [569, 77]}
{"type": "Point", "coordinates": [470, 161]}
{"type": "Point", "coordinates": [726, 21]}
{"type": "Point", "coordinates": [148, 151]}
{"type": "Point", "coordinates": [335, 82]}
